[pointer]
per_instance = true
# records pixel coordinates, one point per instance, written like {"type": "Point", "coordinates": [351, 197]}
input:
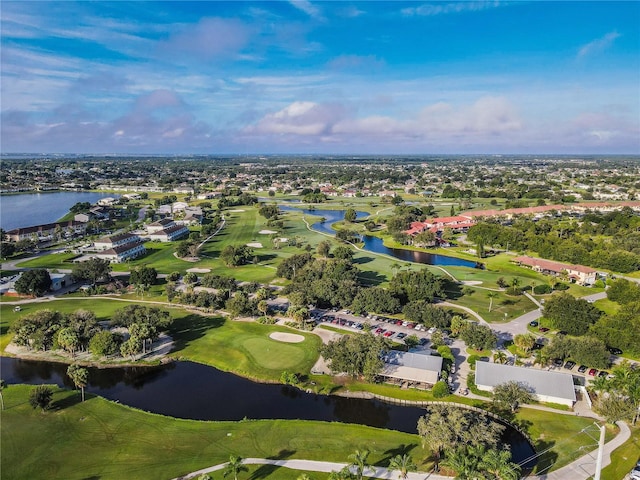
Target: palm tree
{"type": "Point", "coordinates": [79, 376]}
{"type": "Point", "coordinates": [3, 385]}
{"type": "Point", "coordinates": [498, 463]}
{"type": "Point", "coordinates": [491, 296]}
{"type": "Point", "coordinates": [600, 384]}
{"type": "Point", "coordinates": [234, 467]}
{"type": "Point", "coordinates": [500, 357]}
{"type": "Point", "coordinates": [404, 464]}
{"type": "Point", "coordinates": [464, 464]}
{"type": "Point", "coordinates": [359, 462]}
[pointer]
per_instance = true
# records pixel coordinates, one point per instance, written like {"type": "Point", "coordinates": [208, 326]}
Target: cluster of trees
{"type": "Point", "coordinates": [358, 355]}
{"type": "Point", "coordinates": [619, 395]}
{"type": "Point", "coordinates": [601, 240]}
{"type": "Point", "coordinates": [92, 270]}
{"type": "Point", "coordinates": [166, 200]}
{"type": "Point", "coordinates": [242, 199]}
{"type": "Point", "coordinates": [573, 315]}
{"type": "Point", "coordinates": [585, 350]}
{"type": "Point", "coordinates": [48, 329]}
{"type": "Point", "coordinates": [235, 255]}
{"type": "Point", "coordinates": [269, 210]}
{"type": "Point", "coordinates": [144, 325]}
{"type": "Point", "coordinates": [33, 282]}
{"type": "Point", "coordinates": [143, 275]}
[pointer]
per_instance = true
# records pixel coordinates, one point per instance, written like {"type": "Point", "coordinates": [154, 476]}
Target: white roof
{"type": "Point", "coordinates": [543, 382]}
{"type": "Point", "coordinates": [414, 367]}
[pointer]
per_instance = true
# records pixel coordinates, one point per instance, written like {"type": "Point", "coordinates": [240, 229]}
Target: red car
{"type": "Point", "coordinates": [543, 329]}
{"type": "Point", "coordinates": [389, 333]}
{"type": "Point", "coordinates": [593, 372]}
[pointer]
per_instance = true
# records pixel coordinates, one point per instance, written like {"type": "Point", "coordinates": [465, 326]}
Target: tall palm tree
{"type": "Point", "coordinates": [359, 462]}
{"type": "Point", "coordinates": [3, 385]}
{"type": "Point", "coordinates": [234, 467]}
{"type": "Point", "coordinates": [491, 296]}
{"type": "Point", "coordinates": [404, 464]}
{"type": "Point", "coordinates": [498, 464]}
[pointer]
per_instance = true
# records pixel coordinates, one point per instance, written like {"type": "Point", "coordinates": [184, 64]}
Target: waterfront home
{"type": "Point", "coordinates": [47, 231]}
{"type": "Point", "coordinates": [546, 386]}
{"type": "Point", "coordinates": [113, 241]}
{"type": "Point", "coordinates": [169, 234]}
{"type": "Point", "coordinates": [121, 253]}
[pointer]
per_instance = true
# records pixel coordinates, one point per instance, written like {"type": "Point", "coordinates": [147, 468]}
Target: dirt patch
{"type": "Point", "coordinates": [254, 245]}
{"type": "Point", "coordinates": [267, 232]}
{"type": "Point", "coordinates": [286, 337]}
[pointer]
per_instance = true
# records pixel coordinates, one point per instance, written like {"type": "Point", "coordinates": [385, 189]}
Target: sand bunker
{"type": "Point", "coordinates": [283, 240]}
{"type": "Point", "coordinates": [267, 232]}
{"type": "Point", "coordinates": [254, 245]}
{"type": "Point", "coordinates": [198, 270]}
{"type": "Point", "coordinates": [236, 211]}
{"type": "Point", "coordinates": [287, 337]}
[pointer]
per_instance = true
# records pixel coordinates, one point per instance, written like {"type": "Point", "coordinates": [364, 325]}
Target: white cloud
{"type": "Point", "coordinates": [598, 45]}
{"type": "Point", "coordinates": [432, 9]}
{"type": "Point", "coordinates": [307, 7]}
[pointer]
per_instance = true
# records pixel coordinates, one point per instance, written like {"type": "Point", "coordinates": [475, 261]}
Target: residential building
{"type": "Point", "coordinates": [575, 273]}
{"type": "Point", "coordinates": [113, 241]}
{"type": "Point", "coordinates": [121, 253]}
{"type": "Point", "coordinates": [418, 368]}
{"type": "Point", "coordinates": [47, 231]}
{"type": "Point", "coordinates": [169, 234]}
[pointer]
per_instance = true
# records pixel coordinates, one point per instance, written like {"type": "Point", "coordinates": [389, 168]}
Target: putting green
{"type": "Point", "coordinates": [273, 354]}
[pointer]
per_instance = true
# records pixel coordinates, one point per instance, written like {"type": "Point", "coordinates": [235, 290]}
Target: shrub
{"type": "Point", "coordinates": [560, 286]}
{"type": "Point", "coordinates": [599, 283]}
{"type": "Point", "coordinates": [440, 389]}
{"type": "Point", "coordinates": [514, 291]}
{"type": "Point", "coordinates": [542, 289]}
{"type": "Point", "coordinates": [267, 320]}
{"type": "Point", "coordinates": [472, 361]}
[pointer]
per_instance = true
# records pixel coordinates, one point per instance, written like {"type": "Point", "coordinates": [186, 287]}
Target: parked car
{"type": "Point", "coordinates": [557, 362]}
{"type": "Point", "coordinates": [635, 473]}
{"type": "Point", "coordinates": [388, 333]}
{"type": "Point", "coordinates": [593, 372]}
{"type": "Point", "coordinates": [533, 324]}
{"type": "Point", "coordinates": [401, 335]}
{"type": "Point", "coordinates": [423, 342]}
{"type": "Point", "coordinates": [561, 333]}
{"type": "Point", "coordinates": [582, 368]}
{"type": "Point", "coordinates": [614, 351]}
{"type": "Point", "coordinates": [432, 330]}
{"type": "Point", "coordinates": [569, 365]}
{"type": "Point", "coordinates": [603, 373]}
{"type": "Point", "coordinates": [543, 329]}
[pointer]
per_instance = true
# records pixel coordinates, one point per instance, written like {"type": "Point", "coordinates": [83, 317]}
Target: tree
{"type": "Point", "coordinates": [324, 247]}
{"type": "Point", "coordinates": [342, 252]}
{"type": "Point", "coordinates": [68, 340]}
{"type": "Point", "coordinates": [614, 408]}
{"type": "Point", "coordinates": [447, 427]}
{"type": "Point", "coordinates": [359, 463]}
{"type": "Point", "coordinates": [232, 256]}
{"type": "Point", "coordinates": [143, 276]}
{"type": "Point", "coordinates": [491, 296]}
{"type": "Point", "coordinates": [40, 396]}
{"type": "Point", "coordinates": [92, 270]}
{"type": "Point", "coordinates": [404, 464]}
{"type": "Point", "coordinates": [104, 343]}
{"type": "Point", "coordinates": [350, 215]}
{"type": "Point", "coordinates": [511, 394]}
{"type": "Point", "coordinates": [3, 385]}
{"type": "Point", "coordinates": [479, 337]}
{"type": "Point", "coordinates": [574, 316]}
{"type": "Point", "coordinates": [525, 341]}
{"type": "Point", "coordinates": [464, 463]}
{"type": "Point", "coordinates": [498, 464]}
{"type": "Point", "coordinates": [33, 282]}
{"type": "Point", "coordinates": [500, 357]}
{"type": "Point", "coordinates": [357, 355]}
{"type": "Point", "coordinates": [263, 307]}
{"type": "Point", "coordinates": [79, 376]}
{"type": "Point", "coordinates": [234, 466]}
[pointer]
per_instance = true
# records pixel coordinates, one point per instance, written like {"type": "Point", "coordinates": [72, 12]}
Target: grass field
{"type": "Point", "coordinates": [242, 347]}
{"type": "Point", "coordinates": [624, 457]}
{"type": "Point", "coordinates": [101, 439]}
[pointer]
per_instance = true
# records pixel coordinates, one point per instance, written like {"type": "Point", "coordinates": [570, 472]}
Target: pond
{"type": "Point", "coordinates": [375, 244]}
{"type": "Point", "coordinates": [42, 208]}
{"type": "Point", "coordinates": [194, 391]}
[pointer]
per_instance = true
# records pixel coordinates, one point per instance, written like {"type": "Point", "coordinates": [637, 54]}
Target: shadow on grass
{"type": "Point", "coordinates": [266, 257]}
{"type": "Point", "coordinates": [369, 277]}
{"type": "Point", "coordinates": [546, 459]}
{"type": "Point", "coordinates": [67, 401]}
{"type": "Point", "coordinates": [362, 260]}
{"type": "Point", "coordinates": [392, 452]}
{"type": "Point", "coordinates": [265, 471]}
{"type": "Point", "coordinates": [192, 327]}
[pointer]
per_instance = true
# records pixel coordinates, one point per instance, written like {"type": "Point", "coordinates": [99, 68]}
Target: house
{"type": "Point", "coordinates": [113, 241]}
{"type": "Point", "coordinates": [169, 234]}
{"type": "Point", "coordinates": [546, 386]}
{"type": "Point", "coordinates": [81, 217]}
{"type": "Point", "coordinates": [576, 273]}
{"type": "Point", "coordinates": [121, 253]}
{"type": "Point", "coordinates": [60, 280]}
{"type": "Point", "coordinates": [459, 223]}
{"type": "Point", "coordinates": [160, 225]}
{"type": "Point", "coordinates": [107, 201]}
{"type": "Point", "coordinates": [387, 193]}
{"type": "Point", "coordinates": [418, 368]}
{"type": "Point", "coordinates": [47, 231]}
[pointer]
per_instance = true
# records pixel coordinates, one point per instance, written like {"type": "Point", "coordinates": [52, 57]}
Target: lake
{"type": "Point", "coordinates": [27, 209]}
{"type": "Point", "coordinates": [375, 244]}
{"type": "Point", "coordinates": [194, 391]}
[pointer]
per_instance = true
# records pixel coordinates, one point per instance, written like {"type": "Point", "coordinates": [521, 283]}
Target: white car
{"type": "Point", "coordinates": [431, 330]}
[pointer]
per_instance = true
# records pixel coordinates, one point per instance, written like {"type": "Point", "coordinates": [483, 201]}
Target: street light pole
{"type": "Point", "coordinates": [600, 452]}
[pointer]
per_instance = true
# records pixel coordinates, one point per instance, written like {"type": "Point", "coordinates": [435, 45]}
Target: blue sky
{"type": "Point", "coordinates": [320, 77]}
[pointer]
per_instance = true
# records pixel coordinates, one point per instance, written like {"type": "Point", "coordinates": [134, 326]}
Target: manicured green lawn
{"type": "Point", "coordinates": [624, 457]}
{"type": "Point", "coordinates": [102, 439]}
{"type": "Point", "coordinates": [53, 261]}
{"type": "Point", "coordinates": [242, 347]}
{"type": "Point", "coordinates": [560, 433]}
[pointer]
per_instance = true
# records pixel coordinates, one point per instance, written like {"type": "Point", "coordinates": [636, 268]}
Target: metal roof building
{"type": "Point", "coordinates": [416, 368]}
{"type": "Point", "coordinates": [553, 387]}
